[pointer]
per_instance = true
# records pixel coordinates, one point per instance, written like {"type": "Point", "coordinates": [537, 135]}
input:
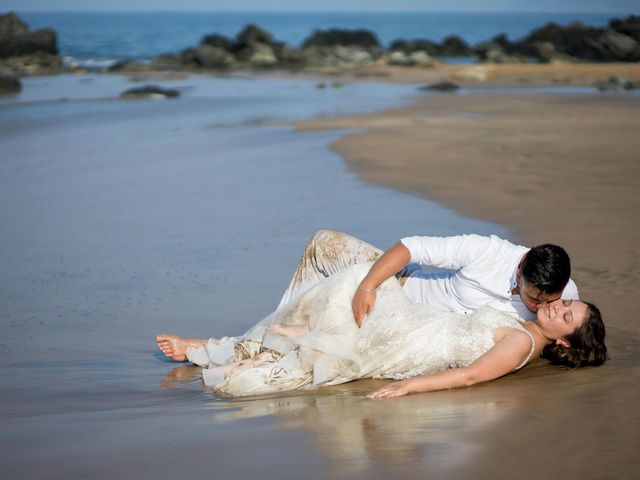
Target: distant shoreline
{"type": "Point", "coordinates": [295, 40]}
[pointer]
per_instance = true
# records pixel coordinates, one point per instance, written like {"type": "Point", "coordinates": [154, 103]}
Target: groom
{"type": "Point", "coordinates": [478, 271]}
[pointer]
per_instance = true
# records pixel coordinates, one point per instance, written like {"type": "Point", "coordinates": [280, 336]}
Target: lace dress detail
{"type": "Point", "coordinates": [399, 339]}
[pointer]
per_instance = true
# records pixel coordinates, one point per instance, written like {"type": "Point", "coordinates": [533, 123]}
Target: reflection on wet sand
{"type": "Point", "coordinates": [440, 433]}
{"type": "Point", "coordinates": [358, 435]}
{"type": "Point", "coordinates": [181, 375]}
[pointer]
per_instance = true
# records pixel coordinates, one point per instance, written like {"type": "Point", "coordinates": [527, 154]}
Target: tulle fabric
{"type": "Point", "coordinates": [398, 339]}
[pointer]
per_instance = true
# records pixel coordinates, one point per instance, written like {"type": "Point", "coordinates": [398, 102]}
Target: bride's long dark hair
{"type": "Point", "coordinates": [587, 344]}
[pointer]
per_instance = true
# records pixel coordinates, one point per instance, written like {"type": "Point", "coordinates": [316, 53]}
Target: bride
{"type": "Point", "coordinates": [313, 340]}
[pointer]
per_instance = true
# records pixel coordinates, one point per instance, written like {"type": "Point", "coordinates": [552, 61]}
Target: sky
{"type": "Point", "coordinates": [573, 6]}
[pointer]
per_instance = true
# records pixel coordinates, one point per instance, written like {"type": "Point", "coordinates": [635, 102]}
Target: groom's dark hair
{"type": "Point", "coordinates": [547, 267]}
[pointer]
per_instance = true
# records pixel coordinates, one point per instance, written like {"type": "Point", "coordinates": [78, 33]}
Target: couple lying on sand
{"type": "Point", "coordinates": [352, 312]}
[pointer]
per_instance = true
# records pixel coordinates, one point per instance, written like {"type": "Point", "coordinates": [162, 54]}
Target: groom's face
{"type": "Point", "coordinates": [533, 298]}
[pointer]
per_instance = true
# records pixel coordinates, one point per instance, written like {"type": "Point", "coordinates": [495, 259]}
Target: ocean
{"type": "Point", "coordinates": [109, 36]}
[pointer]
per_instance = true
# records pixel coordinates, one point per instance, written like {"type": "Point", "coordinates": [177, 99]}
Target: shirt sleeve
{"type": "Point", "coordinates": [446, 252]}
{"type": "Point", "coordinates": [570, 292]}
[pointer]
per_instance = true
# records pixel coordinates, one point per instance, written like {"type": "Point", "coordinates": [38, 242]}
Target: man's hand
{"type": "Point", "coordinates": [385, 267]}
{"type": "Point", "coordinates": [362, 303]}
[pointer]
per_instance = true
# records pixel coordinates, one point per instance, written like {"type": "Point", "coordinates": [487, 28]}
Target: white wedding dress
{"type": "Point", "coordinates": [398, 339]}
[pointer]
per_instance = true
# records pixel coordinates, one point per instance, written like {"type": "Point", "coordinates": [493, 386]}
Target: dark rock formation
{"type": "Point", "coordinates": [454, 46]}
{"type": "Point", "coordinates": [16, 39]}
{"type": "Point", "coordinates": [253, 47]}
{"type": "Point", "coordinates": [616, 83]}
{"type": "Point", "coordinates": [418, 58]}
{"type": "Point", "coordinates": [589, 43]}
{"type": "Point", "coordinates": [415, 45]}
{"type": "Point", "coordinates": [22, 51]}
{"type": "Point", "coordinates": [443, 86]}
{"type": "Point", "coordinates": [250, 35]}
{"type": "Point", "coordinates": [451, 46]}
{"type": "Point", "coordinates": [218, 41]}
{"type": "Point", "coordinates": [502, 50]}
{"type": "Point", "coordinates": [208, 56]}
{"type": "Point", "coordinates": [629, 26]}
{"type": "Point", "coordinates": [338, 37]}
{"type": "Point", "coordinates": [337, 55]}
{"type": "Point", "coordinates": [9, 85]}
{"type": "Point", "coordinates": [11, 25]}
{"type": "Point", "coordinates": [150, 91]}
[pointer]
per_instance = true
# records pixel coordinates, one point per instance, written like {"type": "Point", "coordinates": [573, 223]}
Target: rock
{"type": "Point", "coordinates": [589, 43]}
{"type": "Point", "coordinates": [288, 55]}
{"type": "Point", "coordinates": [259, 55]}
{"type": "Point", "coordinates": [32, 64]}
{"type": "Point", "coordinates": [150, 91]}
{"type": "Point", "coordinates": [16, 39]}
{"type": "Point", "coordinates": [334, 37]}
{"type": "Point", "coordinates": [493, 52]}
{"type": "Point", "coordinates": [336, 56]}
{"type": "Point", "coordinates": [218, 41]}
{"type": "Point", "coordinates": [43, 40]}
{"type": "Point", "coordinates": [629, 26]}
{"type": "Point", "coordinates": [11, 25]}
{"type": "Point", "coordinates": [443, 86]}
{"type": "Point", "coordinates": [166, 61]}
{"type": "Point", "coordinates": [421, 59]}
{"type": "Point", "coordinates": [131, 65]}
{"type": "Point", "coordinates": [352, 55]}
{"type": "Point", "coordinates": [399, 58]}
{"type": "Point", "coordinates": [250, 35]}
{"type": "Point", "coordinates": [321, 85]}
{"type": "Point", "coordinates": [415, 45]}
{"type": "Point", "coordinates": [616, 83]}
{"type": "Point", "coordinates": [26, 52]}
{"type": "Point", "coordinates": [545, 52]}
{"type": "Point", "coordinates": [9, 85]}
{"type": "Point", "coordinates": [454, 46]}
{"type": "Point", "coordinates": [614, 46]}
{"type": "Point", "coordinates": [208, 56]}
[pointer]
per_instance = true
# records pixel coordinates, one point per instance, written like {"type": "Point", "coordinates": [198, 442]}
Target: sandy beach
{"type": "Point", "coordinates": [126, 219]}
{"type": "Point", "coordinates": [556, 167]}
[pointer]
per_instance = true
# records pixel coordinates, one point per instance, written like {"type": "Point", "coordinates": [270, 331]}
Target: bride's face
{"type": "Point", "coordinates": [561, 318]}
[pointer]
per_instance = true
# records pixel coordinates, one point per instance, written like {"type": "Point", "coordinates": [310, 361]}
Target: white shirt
{"type": "Point", "coordinates": [480, 271]}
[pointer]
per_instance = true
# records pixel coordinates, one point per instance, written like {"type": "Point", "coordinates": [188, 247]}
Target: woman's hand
{"type": "Point", "coordinates": [362, 303]}
{"type": "Point", "coordinates": [395, 389]}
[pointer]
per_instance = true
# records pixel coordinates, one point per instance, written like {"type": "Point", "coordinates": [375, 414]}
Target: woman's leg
{"type": "Point", "coordinates": [327, 252]}
{"type": "Point", "coordinates": [291, 331]}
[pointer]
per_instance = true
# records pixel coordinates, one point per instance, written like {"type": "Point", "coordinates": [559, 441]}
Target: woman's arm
{"type": "Point", "coordinates": [501, 359]}
{"type": "Point", "coordinates": [393, 260]}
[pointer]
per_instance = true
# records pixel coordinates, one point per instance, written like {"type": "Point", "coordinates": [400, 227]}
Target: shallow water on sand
{"type": "Point", "coordinates": [122, 219]}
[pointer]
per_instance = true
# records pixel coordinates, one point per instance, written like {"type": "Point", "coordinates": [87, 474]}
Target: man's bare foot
{"type": "Point", "coordinates": [291, 331]}
{"type": "Point", "coordinates": [175, 347]}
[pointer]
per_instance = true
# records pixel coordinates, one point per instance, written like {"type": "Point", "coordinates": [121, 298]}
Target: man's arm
{"type": "Point", "coordinates": [386, 266]}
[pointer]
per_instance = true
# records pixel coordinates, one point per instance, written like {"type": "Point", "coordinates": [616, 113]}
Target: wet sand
{"type": "Point", "coordinates": [561, 168]}
{"type": "Point", "coordinates": [111, 242]}
{"type": "Point", "coordinates": [124, 219]}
